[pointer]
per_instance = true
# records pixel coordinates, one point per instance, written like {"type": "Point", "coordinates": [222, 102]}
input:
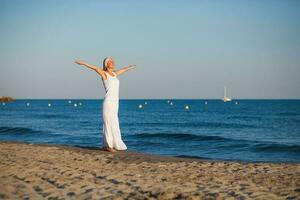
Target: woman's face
{"type": "Point", "coordinates": [111, 64]}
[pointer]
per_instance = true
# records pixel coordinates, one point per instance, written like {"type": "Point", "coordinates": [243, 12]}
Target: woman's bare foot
{"type": "Point", "coordinates": [109, 149]}
{"type": "Point", "coordinates": [122, 149]}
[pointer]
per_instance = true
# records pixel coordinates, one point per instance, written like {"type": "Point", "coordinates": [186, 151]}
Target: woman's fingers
{"type": "Point", "coordinates": [132, 66]}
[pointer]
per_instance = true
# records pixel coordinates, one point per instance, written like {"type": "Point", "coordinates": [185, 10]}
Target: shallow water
{"type": "Point", "coordinates": [252, 130]}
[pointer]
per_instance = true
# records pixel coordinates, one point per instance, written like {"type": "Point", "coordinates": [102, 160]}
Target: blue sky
{"type": "Point", "coordinates": [182, 49]}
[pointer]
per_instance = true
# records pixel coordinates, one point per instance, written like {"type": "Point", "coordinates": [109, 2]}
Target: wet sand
{"type": "Point", "coordinates": [39, 171]}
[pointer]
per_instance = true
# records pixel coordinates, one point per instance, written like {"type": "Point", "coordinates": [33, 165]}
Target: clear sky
{"type": "Point", "coordinates": [182, 49]}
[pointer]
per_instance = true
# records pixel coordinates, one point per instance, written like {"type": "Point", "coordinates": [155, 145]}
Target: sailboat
{"type": "Point", "coordinates": [225, 98]}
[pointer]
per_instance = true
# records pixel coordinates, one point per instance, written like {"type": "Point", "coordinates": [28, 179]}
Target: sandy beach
{"type": "Point", "coordinates": [39, 171]}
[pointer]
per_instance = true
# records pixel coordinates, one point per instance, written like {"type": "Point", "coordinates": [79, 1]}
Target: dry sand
{"type": "Point", "coordinates": [58, 172]}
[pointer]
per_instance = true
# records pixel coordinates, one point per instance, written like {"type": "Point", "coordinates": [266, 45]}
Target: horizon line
{"type": "Point", "coordinates": [157, 99]}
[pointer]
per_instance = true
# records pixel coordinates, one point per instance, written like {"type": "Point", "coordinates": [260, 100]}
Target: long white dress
{"type": "Point", "coordinates": [111, 130]}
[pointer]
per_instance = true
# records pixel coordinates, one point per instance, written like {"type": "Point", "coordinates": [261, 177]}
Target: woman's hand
{"type": "Point", "coordinates": [131, 66]}
{"type": "Point", "coordinates": [80, 62]}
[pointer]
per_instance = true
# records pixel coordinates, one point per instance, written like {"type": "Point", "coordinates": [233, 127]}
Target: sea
{"type": "Point", "coordinates": [239, 130]}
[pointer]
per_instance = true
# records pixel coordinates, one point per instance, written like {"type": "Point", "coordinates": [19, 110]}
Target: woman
{"type": "Point", "coordinates": [112, 140]}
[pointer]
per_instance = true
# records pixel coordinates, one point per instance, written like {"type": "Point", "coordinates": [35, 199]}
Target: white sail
{"type": "Point", "coordinates": [225, 98]}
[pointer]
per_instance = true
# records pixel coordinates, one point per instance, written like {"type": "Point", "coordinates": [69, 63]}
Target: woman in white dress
{"type": "Point", "coordinates": [112, 139]}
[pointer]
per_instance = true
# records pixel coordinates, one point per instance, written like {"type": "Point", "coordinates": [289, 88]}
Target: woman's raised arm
{"type": "Point", "coordinates": [97, 69]}
{"type": "Point", "coordinates": [124, 69]}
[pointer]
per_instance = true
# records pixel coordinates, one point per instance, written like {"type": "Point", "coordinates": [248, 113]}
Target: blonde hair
{"type": "Point", "coordinates": [105, 61]}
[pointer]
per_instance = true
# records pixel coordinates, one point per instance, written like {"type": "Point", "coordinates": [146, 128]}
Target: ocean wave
{"type": "Point", "coordinates": [85, 122]}
{"type": "Point", "coordinates": [288, 114]}
{"type": "Point", "coordinates": [180, 136]}
{"type": "Point", "coordinates": [52, 116]}
{"type": "Point", "coordinates": [245, 117]}
{"type": "Point", "coordinates": [277, 148]}
{"type": "Point", "coordinates": [295, 120]}
{"type": "Point", "coordinates": [145, 143]}
{"type": "Point", "coordinates": [17, 130]}
{"type": "Point", "coordinates": [193, 124]}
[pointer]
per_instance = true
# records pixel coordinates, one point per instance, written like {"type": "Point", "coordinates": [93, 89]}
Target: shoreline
{"type": "Point", "coordinates": [46, 171]}
{"type": "Point", "coordinates": [148, 156]}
